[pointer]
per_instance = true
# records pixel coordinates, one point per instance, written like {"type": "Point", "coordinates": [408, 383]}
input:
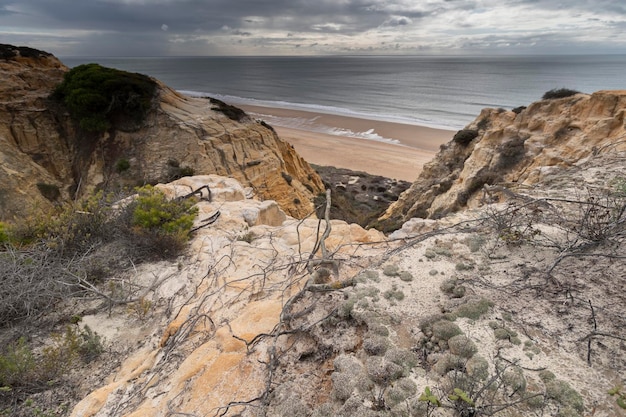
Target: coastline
{"type": "Point", "coordinates": [415, 145]}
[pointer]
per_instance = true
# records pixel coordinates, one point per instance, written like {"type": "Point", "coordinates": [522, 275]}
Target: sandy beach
{"type": "Point", "coordinates": [404, 160]}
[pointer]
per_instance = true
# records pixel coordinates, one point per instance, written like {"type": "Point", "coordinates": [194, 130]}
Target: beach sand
{"type": "Point", "coordinates": [403, 161]}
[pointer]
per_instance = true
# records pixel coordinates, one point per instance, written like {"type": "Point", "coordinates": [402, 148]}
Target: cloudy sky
{"type": "Point", "coordinates": [313, 27]}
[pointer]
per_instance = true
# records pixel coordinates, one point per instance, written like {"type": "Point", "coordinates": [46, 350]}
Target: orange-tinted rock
{"type": "Point", "coordinates": [39, 144]}
{"type": "Point", "coordinates": [514, 149]}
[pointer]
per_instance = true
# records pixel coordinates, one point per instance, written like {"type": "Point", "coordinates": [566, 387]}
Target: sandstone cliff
{"type": "Point", "coordinates": [514, 148]}
{"type": "Point", "coordinates": [45, 158]}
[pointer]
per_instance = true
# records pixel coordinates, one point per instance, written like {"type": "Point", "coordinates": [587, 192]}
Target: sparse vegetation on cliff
{"type": "Point", "coordinates": [465, 136]}
{"type": "Point", "coordinates": [10, 51]}
{"type": "Point", "coordinates": [559, 93]}
{"type": "Point", "coordinates": [99, 98]}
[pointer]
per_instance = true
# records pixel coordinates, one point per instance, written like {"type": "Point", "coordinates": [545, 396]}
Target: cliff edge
{"type": "Point", "coordinates": [515, 149]}
{"type": "Point", "coordinates": [47, 158]}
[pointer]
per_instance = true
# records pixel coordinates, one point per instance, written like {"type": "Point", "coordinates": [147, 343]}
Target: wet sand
{"type": "Point", "coordinates": [404, 160]}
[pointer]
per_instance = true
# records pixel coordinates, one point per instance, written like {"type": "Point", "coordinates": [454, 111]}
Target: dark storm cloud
{"type": "Point", "coordinates": [210, 26]}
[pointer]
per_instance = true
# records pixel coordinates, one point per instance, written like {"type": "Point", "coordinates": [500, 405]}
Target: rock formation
{"type": "Point", "coordinates": [46, 158]}
{"type": "Point", "coordinates": [230, 289]}
{"type": "Point", "coordinates": [514, 148]}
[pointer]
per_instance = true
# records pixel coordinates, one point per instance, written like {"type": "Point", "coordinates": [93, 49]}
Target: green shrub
{"type": "Point", "coordinates": [465, 136]}
{"type": "Point", "coordinates": [24, 371]}
{"type": "Point", "coordinates": [154, 212]}
{"type": "Point", "coordinates": [391, 270]}
{"type": "Point", "coordinates": [4, 233]}
{"type": "Point", "coordinates": [16, 362]}
{"type": "Point", "coordinates": [122, 165]}
{"type": "Point", "coordinates": [620, 396]}
{"type": "Point", "coordinates": [67, 228]}
{"type": "Point", "coordinates": [98, 97]}
{"type": "Point", "coordinates": [559, 93]}
{"type": "Point", "coordinates": [160, 227]}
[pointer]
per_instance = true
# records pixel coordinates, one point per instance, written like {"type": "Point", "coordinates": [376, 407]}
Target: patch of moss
{"type": "Point", "coordinates": [122, 165]}
{"type": "Point", "coordinates": [391, 270]}
{"type": "Point", "coordinates": [473, 309]}
{"type": "Point", "coordinates": [368, 275]}
{"type": "Point", "coordinates": [564, 394]}
{"type": "Point", "coordinates": [406, 276]}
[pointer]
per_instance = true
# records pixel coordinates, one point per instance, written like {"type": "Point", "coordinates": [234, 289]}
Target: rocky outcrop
{"type": "Point", "coordinates": [514, 148]}
{"type": "Point", "coordinates": [230, 288]}
{"type": "Point", "coordinates": [445, 307]}
{"type": "Point", "coordinates": [45, 158]}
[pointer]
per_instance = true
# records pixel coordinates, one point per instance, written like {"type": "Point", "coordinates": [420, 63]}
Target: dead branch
{"type": "Point", "coordinates": [197, 192]}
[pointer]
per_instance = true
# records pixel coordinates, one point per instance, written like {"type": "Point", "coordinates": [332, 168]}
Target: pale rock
{"type": "Point", "coordinates": [267, 213]}
{"type": "Point", "coordinates": [414, 227]}
{"type": "Point", "coordinates": [224, 292]}
{"type": "Point", "coordinates": [515, 150]}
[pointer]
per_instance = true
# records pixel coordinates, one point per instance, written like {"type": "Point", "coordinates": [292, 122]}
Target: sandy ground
{"type": "Point", "coordinates": [404, 161]}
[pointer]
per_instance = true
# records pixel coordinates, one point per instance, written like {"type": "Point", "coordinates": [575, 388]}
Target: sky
{"type": "Point", "coordinates": [314, 27]}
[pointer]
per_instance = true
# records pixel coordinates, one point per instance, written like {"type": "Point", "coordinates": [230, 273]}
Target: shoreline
{"type": "Point", "coordinates": [404, 160]}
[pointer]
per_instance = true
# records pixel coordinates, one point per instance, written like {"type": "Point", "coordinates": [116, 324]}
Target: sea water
{"type": "Point", "coordinates": [435, 91]}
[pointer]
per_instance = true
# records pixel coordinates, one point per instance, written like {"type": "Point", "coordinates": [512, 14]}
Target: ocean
{"type": "Point", "coordinates": [443, 92]}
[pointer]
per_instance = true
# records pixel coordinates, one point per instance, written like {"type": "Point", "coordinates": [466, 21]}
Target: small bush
{"type": "Point", "coordinates": [444, 330]}
{"type": "Point", "coordinates": [122, 165]}
{"type": "Point", "coordinates": [559, 93]}
{"type": "Point", "coordinates": [68, 228]}
{"type": "Point", "coordinates": [154, 212]}
{"type": "Point", "coordinates": [518, 110]}
{"type": "Point", "coordinates": [232, 112]}
{"type": "Point", "coordinates": [176, 171]}
{"type": "Point", "coordinates": [50, 191]}
{"type": "Point", "coordinates": [465, 136]}
{"type": "Point", "coordinates": [564, 394]}
{"type": "Point", "coordinates": [161, 226]}
{"type": "Point", "coordinates": [406, 276]}
{"type": "Point", "coordinates": [462, 346]}
{"type": "Point", "coordinates": [4, 234]}
{"type": "Point", "coordinates": [23, 371]}
{"type": "Point", "coordinates": [483, 124]}
{"type": "Point", "coordinates": [477, 367]}
{"type": "Point", "coordinates": [375, 345]}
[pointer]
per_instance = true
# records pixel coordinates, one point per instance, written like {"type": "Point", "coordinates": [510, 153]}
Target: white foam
{"type": "Point", "coordinates": [310, 125]}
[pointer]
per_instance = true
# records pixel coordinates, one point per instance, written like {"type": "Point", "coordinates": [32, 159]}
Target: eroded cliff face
{"type": "Point", "coordinates": [32, 150]}
{"type": "Point", "coordinates": [42, 152]}
{"type": "Point", "coordinates": [515, 149]}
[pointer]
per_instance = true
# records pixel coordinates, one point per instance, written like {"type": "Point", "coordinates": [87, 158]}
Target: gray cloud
{"type": "Point", "coordinates": [171, 27]}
